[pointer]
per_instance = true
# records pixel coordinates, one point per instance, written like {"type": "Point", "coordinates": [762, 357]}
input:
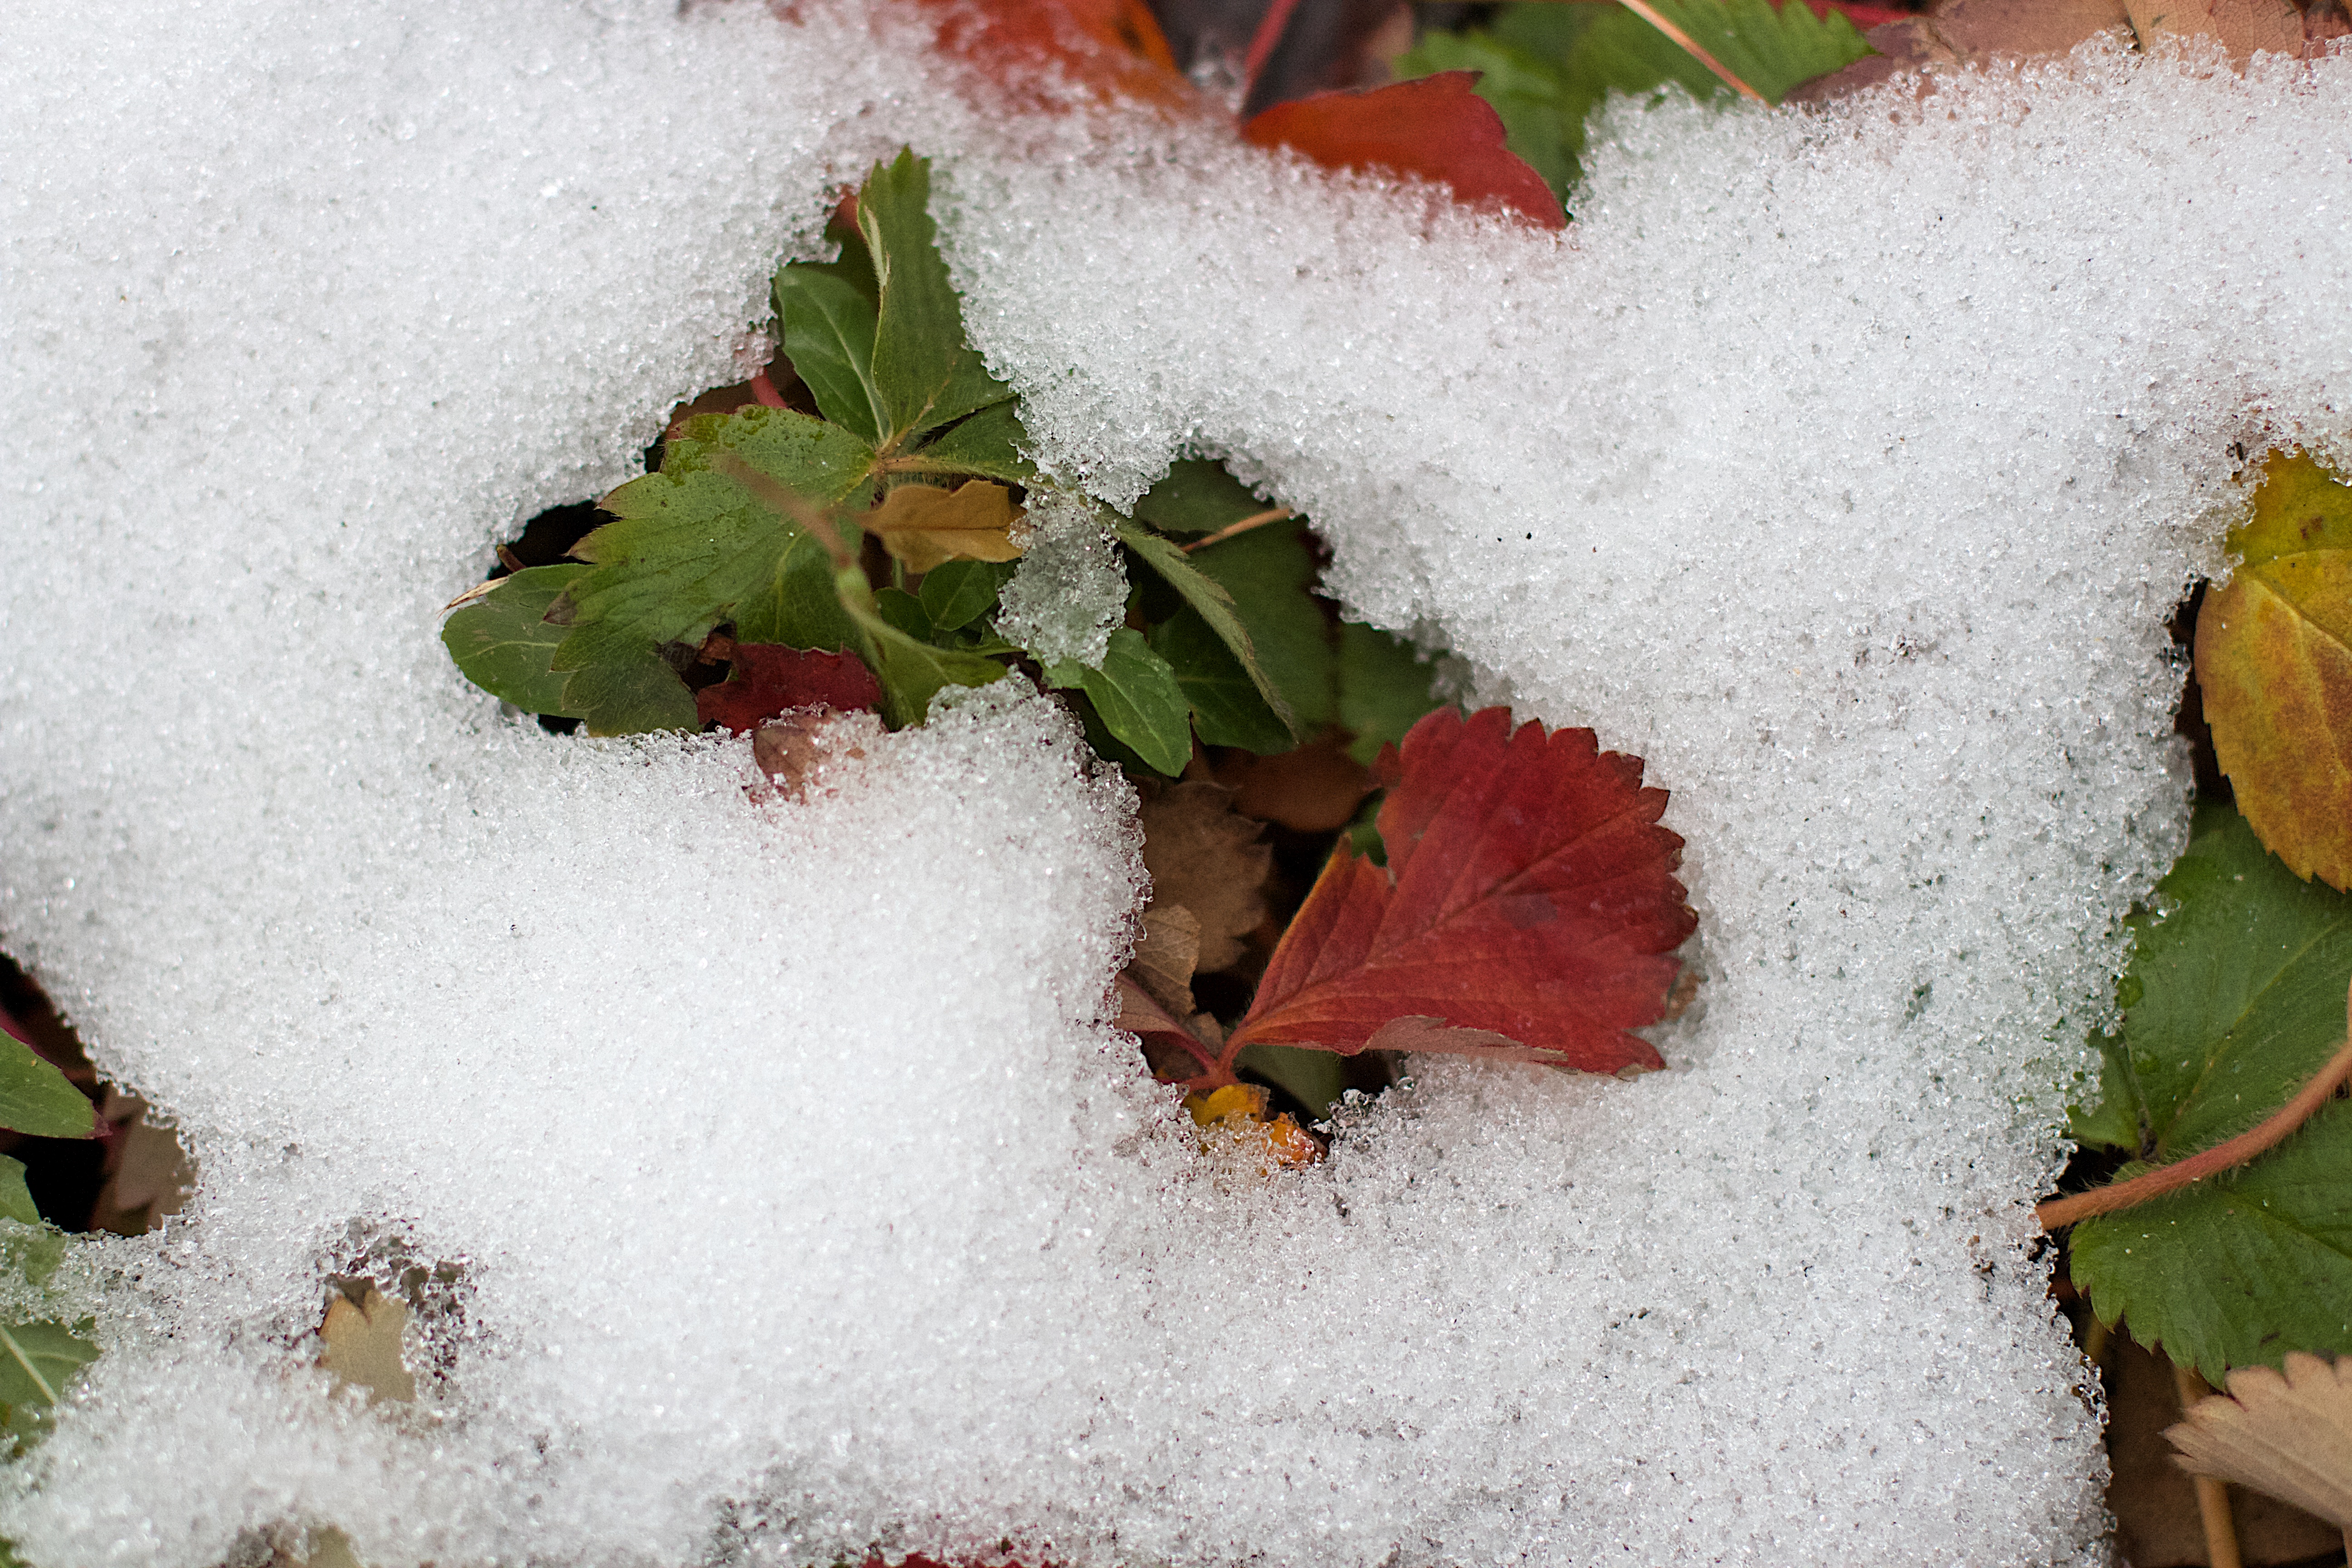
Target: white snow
{"type": "Point", "coordinates": [1844, 466]}
{"type": "Point", "coordinates": [1068, 593]}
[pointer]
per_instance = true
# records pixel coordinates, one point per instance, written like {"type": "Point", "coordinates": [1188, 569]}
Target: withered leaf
{"type": "Point", "coordinates": [362, 1344]}
{"type": "Point", "coordinates": [927, 526]}
{"type": "Point", "coordinates": [1202, 856]}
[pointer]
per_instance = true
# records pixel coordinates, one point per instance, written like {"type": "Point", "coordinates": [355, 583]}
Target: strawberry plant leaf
{"type": "Point", "coordinates": [927, 373]}
{"type": "Point", "coordinates": [1228, 708]}
{"type": "Point", "coordinates": [1383, 689]}
{"type": "Point", "coordinates": [1136, 696]}
{"type": "Point", "coordinates": [37, 1360]}
{"type": "Point", "coordinates": [767, 679]}
{"type": "Point", "coordinates": [2274, 667]}
{"type": "Point", "coordinates": [905, 612]}
{"type": "Point", "coordinates": [986, 446]}
{"type": "Point", "coordinates": [799, 606]}
{"type": "Point", "coordinates": [2239, 1270]}
{"type": "Point", "coordinates": [912, 670]}
{"type": "Point", "coordinates": [36, 1099]}
{"type": "Point", "coordinates": [1196, 496]}
{"type": "Point", "coordinates": [958, 592]}
{"type": "Point", "coordinates": [1267, 573]}
{"type": "Point", "coordinates": [2233, 998]}
{"type": "Point", "coordinates": [502, 639]}
{"type": "Point", "coordinates": [1214, 604]}
{"type": "Point", "coordinates": [827, 325]}
{"type": "Point", "coordinates": [1529, 909]}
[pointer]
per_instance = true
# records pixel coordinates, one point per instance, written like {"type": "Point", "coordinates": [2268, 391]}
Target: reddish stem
{"type": "Point", "coordinates": [1270, 28]}
{"type": "Point", "coordinates": [765, 390]}
{"type": "Point", "coordinates": [2222, 1157]}
{"type": "Point", "coordinates": [1690, 46]}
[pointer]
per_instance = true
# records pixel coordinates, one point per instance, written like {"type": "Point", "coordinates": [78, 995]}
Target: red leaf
{"type": "Point", "coordinates": [1433, 126]}
{"type": "Point", "coordinates": [1865, 16]}
{"type": "Point", "coordinates": [769, 677]}
{"type": "Point", "coordinates": [1528, 907]}
{"type": "Point", "coordinates": [1113, 46]}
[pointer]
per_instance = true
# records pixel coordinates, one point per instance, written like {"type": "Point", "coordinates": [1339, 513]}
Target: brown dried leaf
{"type": "Point", "coordinates": [926, 526]}
{"type": "Point", "coordinates": [2288, 1435]}
{"type": "Point", "coordinates": [363, 1340]}
{"type": "Point", "coordinates": [1167, 957]}
{"type": "Point", "coordinates": [1313, 788]}
{"type": "Point", "coordinates": [2241, 27]}
{"type": "Point", "coordinates": [1203, 856]}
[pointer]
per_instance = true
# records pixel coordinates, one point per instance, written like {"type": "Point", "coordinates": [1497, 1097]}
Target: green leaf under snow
{"type": "Point", "coordinates": [2234, 997]}
{"type": "Point", "coordinates": [912, 669]}
{"type": "Point", "coordinates": [927, 373]}
{"type": "Point", "coordinates": [1315, 1078]}
{"type": "Point", "coordinates": [958, 592]}
{"type": "Point", "coordinates": [1228, 708]}
{"type": "Point", "coordinates": [1385, 688]}
{"type": "Point", "coordinates": [987, 445]}
{"type": "Point", "coordinates": [16, 1197]}
{"type": "Point", "coordinates": [29, 1246]}
{"type": "Point", "coordinates": [36, 1097]}
{"type": "Point", "coordinates": [2238, 1269]}
{"type": "Point", "coordinates": [1268, 573]}
{"type": "Point", "coordinates": [1135, 694]}
{"type": "Point", "coordinates": [709, 538]}
{"type": "Point", "coordinates": [503, 641]}
{"type": "Point", "coordinates": [1196, 496]}
{"type": "Point", "coordinates": [1216, 605]}
{"type": "Point", "coordinates": [37, 1360]}
{"type": "Point", "coordinates": [1545, 66]}
{"type": "Point", "coordinates": [827, 325]}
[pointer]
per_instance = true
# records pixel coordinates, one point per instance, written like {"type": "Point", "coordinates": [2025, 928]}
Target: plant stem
{"type": "Point", "coordinates": [1690, 46]}
{"type": "Point", "coordinates": [2057, 1212]}
{"type": "Point", "coordinates": [1255, 519]}
{"type": "Point", "coordinates": [2212, 1495]}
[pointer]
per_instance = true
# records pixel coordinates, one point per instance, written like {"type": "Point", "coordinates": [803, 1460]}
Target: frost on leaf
{"type": "Point", "coordinates": [2274, 663]}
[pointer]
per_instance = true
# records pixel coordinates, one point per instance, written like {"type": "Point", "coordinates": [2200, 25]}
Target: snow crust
{"type": "Point", "coordinates": [788, 1199]}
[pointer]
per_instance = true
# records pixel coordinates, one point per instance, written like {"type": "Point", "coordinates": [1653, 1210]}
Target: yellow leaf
{"type": "Point", "coordinates": [363, 1345]}
{"type": "Point", "coordinates": [2275, 669]}
{"type": "Point", "coordinates": [2298, 506]}
{"type": "Point", "coordinates": [924, 525]}
{"type": "Point", "coordinates": [1239, 1109]}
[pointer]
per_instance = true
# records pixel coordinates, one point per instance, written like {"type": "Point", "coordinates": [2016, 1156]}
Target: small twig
{"type": "Point", "coordinates": [1270, 28]}
{"type": "Point", "coordinates": [2212, 1495]}
{"type": "Point", "coordinates": [2057, 1212]}
{"type": "Point", "coordinates": [1689, 45]}
{"type": "Point", "coordinates": [1256, 519]}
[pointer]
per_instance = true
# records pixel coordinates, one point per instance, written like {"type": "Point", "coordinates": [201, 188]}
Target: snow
{"type": "Point", "coordinates": [789, 1199]}
{"type": "Point", "coordinates": [1068, 593]}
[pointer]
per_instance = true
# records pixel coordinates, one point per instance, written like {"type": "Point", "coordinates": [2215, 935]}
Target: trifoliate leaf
{"type": "Point", "coordinates": [2274, 668]}
{"type": "Point", "coordinates": [1268, 573]}
{"type": "Point", "coordinates": [1385, 688]}
{"type": "Point", "coordinates": [958, 592]}
{"type": "Point", "coordinates": [925, 525]}
{"type": "Point", "coordinates": [36, 1097]}
{"type": "Point", "coordinates": [1529, 909]}
{"type": "Point", "coordinates": [1196, 496]}
{"type": "Point", "coordinates": [37, 1360]}
{"type": "Point", "coordinates": [1214, 605]}
{"type": "Point", "coordinates": [1135, 695]}
{"type": "Point", "coordinates": [692, 545]}
{"type": "Point", "coordinates": [827, 325]}
{"type": "Point", "coordinates": [2240, 1269]}
{"type": "Point", "coordinates": [927, 373]}
{"type": "Point", "coordinates": [502, 639]}
{"type": "Point", "coordinates": [1228, 708]}
{"type": "Point", "coordinates": [2234, 997]}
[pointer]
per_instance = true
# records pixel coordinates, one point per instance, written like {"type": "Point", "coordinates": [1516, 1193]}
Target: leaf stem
{"type": "Point", "coordinates": [765, 390]}
{"type": "Point", "coordinates": [2222, 1157]}
{"type": "Point", "coordinates": [1643, 9]}
{"type": "Point", "coordinates": [1256, 519]}
{"type": "Point", "coordinates": [2212, 1494]}
{"type": "Point", "coordinates": [1270, 28]}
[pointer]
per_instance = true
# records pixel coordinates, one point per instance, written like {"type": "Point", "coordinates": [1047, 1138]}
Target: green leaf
{"type": "Point", "coordinates": [799, 607]}
{"type": "Point", "coordinates": [905, 612]}
{"type": "Point", "coordinates": [2239, 974]}
{"type": "Point", "coordinates": [827, 325]}
{"type": "Point", "coordinates": [1545, 67]}
{"type": "Point", "coordinates": [957, 592]}
{"type": "Point", "coordinates": [1228, 709]}
{"type": "Point", "coordinates": [36, 1360]}
{"type": "Point", "coordinates": [912, 670]}
{"type": "Point", "coordinates": [1267, 571]}
{"type": "Point", "coordinates": [2234, 997]}
{"type": "Point", "coordinates": [36, 1097]}
{"type": "Point", "coordinates": [927, 373]}
{"type": "Point", "coordinates": [713, 531]}
{"type": "Point", "coordinates": [1383, 689]}
{"type": "Point", "coordinates": [1215, 606]}
{"type": "Point", "coordinates": [16, 1197]}
{"type": "Point", "coordinates": [1136, 695]}
{"type": "Point", "coordinates": [987, 444]}
{"type": "Point", "coordinates": [503, 640]}
{"type": "Point", "coordinates": [1197, 496]}
{"type": "Point", "coordinates": [1316, 1078]}
{"type": "Point", "coordinates": [2239, 1269]}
